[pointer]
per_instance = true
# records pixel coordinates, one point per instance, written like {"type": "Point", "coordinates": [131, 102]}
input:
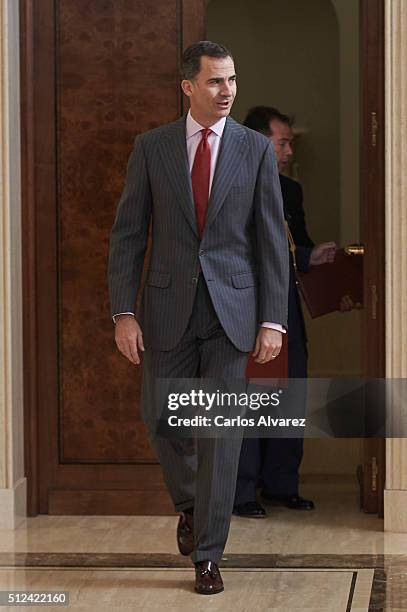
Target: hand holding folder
{"type": "Point", "coordinates": [324, 286]}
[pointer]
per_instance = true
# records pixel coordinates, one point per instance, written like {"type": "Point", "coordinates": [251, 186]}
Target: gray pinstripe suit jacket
{"type": "Point", "coordinates": [243, 253]}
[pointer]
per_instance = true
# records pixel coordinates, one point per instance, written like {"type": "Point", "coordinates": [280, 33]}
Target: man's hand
{"type": "Point", "coordinates": [268, 345]}
{"type": "Point", "coordinates": [129, 337]}
{"type": "Point", "coordinates": [323, 253]}
{"type": "Point", "coordinates": [348, 304]}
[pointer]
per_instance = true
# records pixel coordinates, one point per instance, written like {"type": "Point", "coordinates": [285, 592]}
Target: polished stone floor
{"type": "Point", "coordinates": [335, 558]}
{"type": "Point", "coordinates": [138, 589]}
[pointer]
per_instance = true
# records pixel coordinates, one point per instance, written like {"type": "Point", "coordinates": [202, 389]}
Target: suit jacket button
{"type": "Point", "coordinates": [195, 280]}
{"type": "Point", "coordinates": [202, 252]}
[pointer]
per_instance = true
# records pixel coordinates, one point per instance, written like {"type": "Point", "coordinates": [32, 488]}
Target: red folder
{"type": "Point", "coordinates": [323, 287]}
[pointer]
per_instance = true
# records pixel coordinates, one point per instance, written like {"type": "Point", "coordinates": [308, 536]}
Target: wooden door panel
{"type": "Point", "coordinates": [94, 75]}
{"type": "Point", "coordinates": [117, 65]}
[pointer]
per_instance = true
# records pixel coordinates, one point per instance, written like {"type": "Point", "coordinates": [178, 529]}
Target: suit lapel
{"type": "Point", "coordinates": [233, 150]}
{"type": "Point", "coordinates": [173, 151]}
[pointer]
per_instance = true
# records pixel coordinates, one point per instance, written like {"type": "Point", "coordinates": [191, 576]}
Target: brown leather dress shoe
{"type": "Point", "coordinates": [208, 580]}
{"type": "Point", "coordinates": [185, 533]}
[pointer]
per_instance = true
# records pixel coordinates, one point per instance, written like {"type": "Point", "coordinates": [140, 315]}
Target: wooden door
{"type": "Point", "coordinates": [94, 74]}
{"type": "Point", "coordinates": [373, 228]}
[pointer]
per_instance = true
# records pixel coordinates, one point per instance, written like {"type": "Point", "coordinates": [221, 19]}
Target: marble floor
{"type": "Point", "coordinates": [138, 589]}
{"type": "Point", "coordinates": [332, 559]}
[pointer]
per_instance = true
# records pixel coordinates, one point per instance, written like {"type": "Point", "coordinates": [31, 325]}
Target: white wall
{"type": "Point", "coordinates": [287, 55]}
{"type": "Point", "coordinates": [349, 77]}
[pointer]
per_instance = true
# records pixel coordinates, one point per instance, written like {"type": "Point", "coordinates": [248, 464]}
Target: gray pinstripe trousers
{"type": "Point", "coordinates": [199, 473]}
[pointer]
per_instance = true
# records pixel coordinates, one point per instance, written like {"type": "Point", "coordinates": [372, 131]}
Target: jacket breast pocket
{"type": "Point", "coordinates": [242, 280]}
{"type": "Point", "coordinates": [156, 278]}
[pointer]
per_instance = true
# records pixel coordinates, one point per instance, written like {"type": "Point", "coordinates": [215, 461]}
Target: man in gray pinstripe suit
{"type": "Point", "coordinates": [216, 286]}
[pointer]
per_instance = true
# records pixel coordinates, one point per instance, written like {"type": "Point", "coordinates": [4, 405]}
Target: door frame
{"type": "Point", "coordinates": [38, 168]}
{"type": "Point", "coordinates": [372, 28]}
{"type": "Point", "coordinates": [395, 499]}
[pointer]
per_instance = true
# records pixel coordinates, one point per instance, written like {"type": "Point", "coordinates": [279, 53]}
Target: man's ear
{"type": "Point", "coordinates": [186, 87]}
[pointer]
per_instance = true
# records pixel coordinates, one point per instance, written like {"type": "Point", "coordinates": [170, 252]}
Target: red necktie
{"type": "Point", "coordinates": [200, 175]}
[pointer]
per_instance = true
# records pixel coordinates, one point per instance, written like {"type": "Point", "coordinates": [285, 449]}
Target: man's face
{"type": "Point", "coordinates": [212, 91]}
{"type": "Point", "coordinates": [282, 138]}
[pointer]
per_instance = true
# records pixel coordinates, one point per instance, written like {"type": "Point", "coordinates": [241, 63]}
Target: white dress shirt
{"type": "Point", "coordinates": [194, 137]}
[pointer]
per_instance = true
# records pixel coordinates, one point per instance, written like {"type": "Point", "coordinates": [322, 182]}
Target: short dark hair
{"type": "Point", "coordinates": [258, 118]}
{"type": "Point", "coordinates": [191, 58]}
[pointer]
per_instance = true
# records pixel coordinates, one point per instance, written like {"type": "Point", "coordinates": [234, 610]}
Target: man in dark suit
{"type": "Point", "coordinates": [276, 461]}
{"type": "Point", "coordinates": [216, 286]}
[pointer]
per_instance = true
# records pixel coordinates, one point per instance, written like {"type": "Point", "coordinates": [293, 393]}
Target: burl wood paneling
{"type": "Point", "coordinates": [117, 63]}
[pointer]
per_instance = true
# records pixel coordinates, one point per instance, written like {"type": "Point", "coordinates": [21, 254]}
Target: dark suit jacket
{"type": "Point", "coordinates": [243, 252]}
{"type": "Point", "coordinates": [295, 217]}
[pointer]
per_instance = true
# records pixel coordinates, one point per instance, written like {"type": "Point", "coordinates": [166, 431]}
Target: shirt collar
{"type": "Point", "coordinates": [193, 127]}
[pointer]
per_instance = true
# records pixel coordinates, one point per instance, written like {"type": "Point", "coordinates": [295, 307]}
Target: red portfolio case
{"type": "Point", "coordinates": [323, 287]}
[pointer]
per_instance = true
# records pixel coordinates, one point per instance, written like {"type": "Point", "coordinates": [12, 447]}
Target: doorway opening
{"type": "Point", "coordinates": [311, 61]}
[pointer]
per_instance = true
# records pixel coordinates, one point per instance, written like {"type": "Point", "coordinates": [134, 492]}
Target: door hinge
{"type": "Point", "coordinates": [375, 471]}
{"type": "Point", "coordinates": [374, 128]}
